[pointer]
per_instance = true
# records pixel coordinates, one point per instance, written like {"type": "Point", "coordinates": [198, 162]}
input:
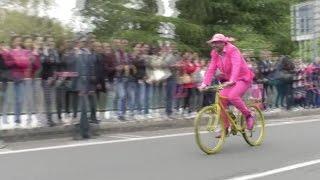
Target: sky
{"type": "Point", "coordinates": [63, 10]}
{"type": "Point", "coordinates": [168, 11]}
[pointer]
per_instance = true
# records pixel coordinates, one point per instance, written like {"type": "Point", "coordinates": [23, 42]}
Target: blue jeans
{"type": "Point", "coordinates": [84, 123]}
{"type": "Point", "coordinates": [311, 96]}
{"type": "Point", "coordinates": [125, 90]}
{"type": "Point", "coordinates": [157, 95]}
{"type": "Point", "coordinates": [170, 89]}
{"type": "Point", "coordinates": [19, 87]}
{"type": "Point", "coordinates": [318, 100]}
{"type": "Point", "coordinates": [30, 97]}
{"type": "Point", "coordinates": [142, 96]}
{"type": "Point", "coordinates": [131, 88]}
{"type": "Point", "coordinates": [120, 97]}
{"type": "Point", "coordinates": [4, 94]}
{"type": "Point", "coordinates": [48, 90]}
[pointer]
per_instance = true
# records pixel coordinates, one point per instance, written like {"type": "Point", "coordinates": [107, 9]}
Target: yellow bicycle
{"type": "Point", "coordinates": [208, 124]}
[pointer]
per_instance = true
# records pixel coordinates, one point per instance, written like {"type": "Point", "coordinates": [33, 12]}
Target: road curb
{"type": "Point", "coordinates": [130, 126]}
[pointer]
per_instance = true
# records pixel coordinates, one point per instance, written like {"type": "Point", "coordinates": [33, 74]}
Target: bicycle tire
{"type": "Point", "coordinates": [200, 121]}
{"type": "Point", "coordinates": [259, 122]}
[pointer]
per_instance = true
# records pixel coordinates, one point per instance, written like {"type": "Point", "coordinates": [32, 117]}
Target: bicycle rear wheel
{"type": "Point", "coordinates": [256, 136]}
{"type": "Point", "coordinates": [207, 126]}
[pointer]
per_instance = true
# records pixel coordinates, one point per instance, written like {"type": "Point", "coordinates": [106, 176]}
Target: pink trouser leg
{"type": "Point", "coordinates": [233, 95]}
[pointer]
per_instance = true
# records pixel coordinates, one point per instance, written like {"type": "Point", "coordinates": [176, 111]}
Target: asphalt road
{"type": "Point", "coordinates": [291, 151]}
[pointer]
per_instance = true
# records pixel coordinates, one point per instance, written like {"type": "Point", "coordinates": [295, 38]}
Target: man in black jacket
{"type": "Point", "coordinates": [85, 83]}
{"type": "Point", "coordinates": [50, 61]}
{"type": "Point", "coordinates": [100, 74]}
{"type": "Point", "coordinates": [4, 78]}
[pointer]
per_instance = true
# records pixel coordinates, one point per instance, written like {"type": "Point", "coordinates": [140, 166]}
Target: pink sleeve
{"type": "Point", "coordinates": [236, 64]}
{"type": "Point", "coordinates": [8, 60]}
{"type": "Point", "coordinates": [210, 72]}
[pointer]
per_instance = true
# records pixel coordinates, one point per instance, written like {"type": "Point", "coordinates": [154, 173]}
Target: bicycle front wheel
{"type": "Point", "coordinates": [254, 137]}
{"type": "Point", "coordinates": [208, 126]}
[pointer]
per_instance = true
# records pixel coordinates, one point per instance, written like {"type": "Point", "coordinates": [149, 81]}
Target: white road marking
{"type": "Point", "coordinates": [125, 136]}
{"type": "Point", "coordinates": [277, 171]}
{"type": "Point", "coordinates": [133, 139]}
{"type": "Point", "coordinates": [130, 135]}
{"type": "Point", "coordinates": [119, 137]}
{"type": "Point", "coordinates": [93, 143]}
{"type": "Point", "coordinates": [292, 122]}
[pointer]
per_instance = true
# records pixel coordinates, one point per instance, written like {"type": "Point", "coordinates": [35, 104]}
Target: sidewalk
{"type": "Point", "coordinates": [115, 126]}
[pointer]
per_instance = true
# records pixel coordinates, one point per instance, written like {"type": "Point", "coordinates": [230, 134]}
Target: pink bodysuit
{"type": "Point", "coordinates": [233, 68]}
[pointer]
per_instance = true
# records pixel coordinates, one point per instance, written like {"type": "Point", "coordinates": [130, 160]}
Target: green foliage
{"type": "Point", "coordinates": [20, 23]}
{"type": "Point", "coordinates": [256, 24]}
{"type": "Point", "coordinates": [115, 20]}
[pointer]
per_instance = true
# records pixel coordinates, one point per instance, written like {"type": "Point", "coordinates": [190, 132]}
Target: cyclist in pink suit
{"type": "Point", "coordinates": [234, 72]}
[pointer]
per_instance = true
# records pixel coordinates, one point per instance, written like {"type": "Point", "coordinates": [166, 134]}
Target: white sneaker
{"type": "Point", "coordinates": [148, 116]}
{"type": "Point", "coordinates": [107, 115]}
{"type": "Point", "coordinates": [295, 109]}
{"type": "Point", "coordinates": [4, 120]}
{"type": "Point", "coordinates": [192, 115]}
{"type": "Point", "coordinates": [2, 144]}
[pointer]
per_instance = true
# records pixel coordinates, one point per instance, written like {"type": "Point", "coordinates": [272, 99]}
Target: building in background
{"type": "Point", "coordinates": [305, 18]}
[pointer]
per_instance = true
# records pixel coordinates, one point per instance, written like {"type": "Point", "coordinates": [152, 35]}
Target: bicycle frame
{"type": "Point", "coordinates": [209, 117]}
{"type": "Point", "coordinates": [219, 109]}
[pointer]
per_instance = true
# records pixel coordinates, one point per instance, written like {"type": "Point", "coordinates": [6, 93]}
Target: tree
{"type": "Point", "coordinates": [19, 23]}
{"type": "Point", "coordinates": [256, 24]}
{"type": "Point", "coordinates": [31, 7]}
{"type": "Point", "coordinates": [112, 16]}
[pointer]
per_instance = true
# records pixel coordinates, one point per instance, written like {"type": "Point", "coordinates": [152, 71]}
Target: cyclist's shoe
{"type": "Point", "coordinates": [250, 122]}
{"type": "Point", "coordinates": [219, 133]}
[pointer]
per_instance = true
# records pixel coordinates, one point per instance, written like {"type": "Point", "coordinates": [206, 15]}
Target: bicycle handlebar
{"type": "Point", "coordinates": [215, 87]}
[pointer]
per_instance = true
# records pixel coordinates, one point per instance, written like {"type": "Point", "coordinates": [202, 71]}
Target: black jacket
{"type": "Point", "coordinates": [140, 65]}
{"type": "Point", "coordinates": [99, 71]}
{"type": "Point", "coordinates": [110, 66]}
{"type": "Point", "coordinates": [4, 71]}
{"type": "Point", "coordinates": [50, 63]}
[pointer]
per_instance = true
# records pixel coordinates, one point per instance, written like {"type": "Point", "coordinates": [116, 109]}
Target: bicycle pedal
{"type": "Point", "coordinates": [233, 132]}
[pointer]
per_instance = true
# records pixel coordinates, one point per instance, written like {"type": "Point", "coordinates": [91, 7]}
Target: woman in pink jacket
{"type": "Point", "coordinates": [234, 71]}
{"type": "Point", "coordinates": [18, 61]}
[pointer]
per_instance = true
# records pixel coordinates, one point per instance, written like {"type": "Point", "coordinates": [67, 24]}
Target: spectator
{"type": "Point", "coordinates": [188, 68]}
{"type": "Point", "coordinates": [85, 83]}
{"type": "Point", "coordinates": [157, 74]}
{"type": "Point", "coordinates": [109, 70]}
{"type": "Point", "coordinates": [4, 78]}
{"type": "Point", "coordinates": [266, 69]}
{"type": "Point", "coordinates": [299, 93]}
{"type": "Point", "coordinates": [311, 84]}
{"type": "Point", "coordinates": [140, 62]}
{"type": "Point", "coordinates": [71, 94]}
{"type": "Point", "coordinates": [284, 74]}
{"type": "Point", "coordinates": [63, 79]}
{"type": "Point", "coordinates": [98, 57]}
{"type": "Point", "coordinates": [109, 62]}
{"type": "Point", "coordinates": [18, 61]}
{"type": "Point", "coordinates": [50, 60]}
{"type": "Point", "coordinates": [121, 77]}
{"type": "Point", "coordinates": [198, 78]}
{"type": "Point", "coordinates": [35, 64]}
{"type": "Point", "coordinates": [317, 81]}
